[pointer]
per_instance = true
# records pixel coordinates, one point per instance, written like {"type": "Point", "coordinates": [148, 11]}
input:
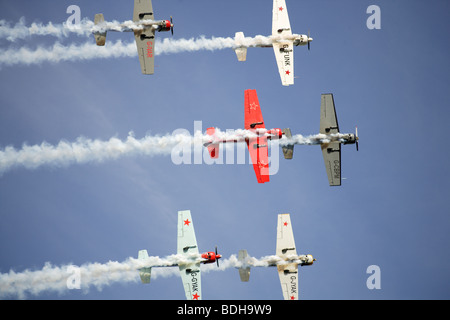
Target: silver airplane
{"type": "Point", "coordinates": [144, 29]}
{"type": "Point", "coordinates": [331, 141]}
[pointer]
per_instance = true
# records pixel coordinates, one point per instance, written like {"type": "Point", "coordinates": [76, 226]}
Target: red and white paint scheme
{"type": "Point", "coordinates": [255, 136]}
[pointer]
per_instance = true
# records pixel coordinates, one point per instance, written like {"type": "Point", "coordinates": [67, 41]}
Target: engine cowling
{"type": "Point", "coordinates": [210, 257]}
{"type": "Point", "coordinates": [309, 260]}
{"type": "Point", "coordinates": [166, 25]}
{"type": "Point", "coordinates": [276, 133]}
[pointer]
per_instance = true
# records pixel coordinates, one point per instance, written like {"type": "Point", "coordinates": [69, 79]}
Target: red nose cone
{"type": "Point", "coordinates": [218, 256]}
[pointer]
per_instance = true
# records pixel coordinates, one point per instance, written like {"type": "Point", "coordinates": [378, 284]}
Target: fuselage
{"type": "Point", "coordinates": [302, 260]}
{"type": "Point", "coordinates": [241, 135]}
{"type": "Point", "coordinates": [267, 42]}
{"type": "Point", "coordinates": [136, 26]}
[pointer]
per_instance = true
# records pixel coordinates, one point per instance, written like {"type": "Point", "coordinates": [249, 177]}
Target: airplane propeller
{"type": "Point", "coordinates": [309, 46]}
{"type": "Point", "coordinates": [171, 24]}
{"type": "Point", "coordinates": [217, 258]}
{"type": "Point", "coordinates": [356, 138]}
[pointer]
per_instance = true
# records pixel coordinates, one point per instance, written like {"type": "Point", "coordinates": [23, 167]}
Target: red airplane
{"type": "Point", "coordinates": [256, 143]}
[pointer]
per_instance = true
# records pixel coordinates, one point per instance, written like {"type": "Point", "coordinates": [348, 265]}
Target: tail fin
{"type": "Point", "coordinates": [288, 150]}
{"type": "Point", "coordinates": [144, 273]}
{"type": "Point", "coordinates": [100, 37]}
{"type": "Point", "coordinates": [241, 51]}
{"type": "Point", "coordinates": [213, 148]}
{"type": "Point", "coordinates": [244, 272]}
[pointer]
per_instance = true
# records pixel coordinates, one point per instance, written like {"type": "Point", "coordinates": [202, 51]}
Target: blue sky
{"type": "Point", "coordinates": [391, 210]}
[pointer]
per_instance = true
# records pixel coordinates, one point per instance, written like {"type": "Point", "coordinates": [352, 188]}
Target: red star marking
{"type": "Point", "coordinates": [285, 224]}
{"type": "Point", "coordinates": [261, 164]}
{"type": "Point", "coordinates": [195, 296]}
{"type": "Point", "coordinates": [253, 106]}
{"type": "Point", "coordinates": [288, 72]}
{"type": "Point", "coordinates": [292, 298]}
{"type": "Point", "coordinates": [186, 222]}
{"type": "Point", "coordinates": [280, 8]}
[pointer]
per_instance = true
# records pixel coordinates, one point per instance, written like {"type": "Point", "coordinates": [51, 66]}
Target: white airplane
{"type": "Point", "coordinates": [286, 260]}
{"type": "Point", "coordinates": [144, 28]}
{"type": "Point", "coordinates": [282, 40]}
{"type": "Point", "coordinates": [187, 248]}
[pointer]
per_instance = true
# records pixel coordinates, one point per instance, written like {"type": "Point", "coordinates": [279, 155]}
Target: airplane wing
{"type": "Point", "coordinates": [331, 151]}
{"type": "Point", "coordinates": [284, 50]}
{"type": "Point", "coordinates": [145, 39]}
{"type": "Point", "coordinates": [186, 245]}
{"type": "Point", "coordinates": [143, 10]}
{"type": "Point", "coordinates": [257, 147]}
{"type": "Point", "coordinates": [288, 273]}
{"type": "Point", "coordinates": [280, 18]}
{"type": "Point", "coordinates": [284, 55]}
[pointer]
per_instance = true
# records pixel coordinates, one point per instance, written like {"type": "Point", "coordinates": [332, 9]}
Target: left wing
{"type": "Point", "coordinates": [284, 55]}
{"type": "Point", "coordinates": [187, 245]}
{"type": "Point", "coordinates": [257, 147]}
{"type": "Point", "coordinates": [145, 43]}
{"type": "Point", "coordinates": [288, 273]}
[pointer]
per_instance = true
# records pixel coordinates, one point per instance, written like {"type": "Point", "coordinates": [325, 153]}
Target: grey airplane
{"type": "Point", "coordinates": [144, 27]}
{"type": "Point", "coordinates": [330, 140]}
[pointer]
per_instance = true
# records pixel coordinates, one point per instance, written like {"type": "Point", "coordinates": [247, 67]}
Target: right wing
{"type": "Point", "coordinates": [145, 39]}
{"type": "Point", "coordinates": [284, 55]}
{"type": "Point", "coordinates": [331, 151]}
{"type": "Point", "coordinates": [288, 273]}
{"type": "Point", "coordinates": [257, 147]}
{"type": "Point", "coordinates": [145, 43]}
{"type": "Point", "coordinates": [187, 245]}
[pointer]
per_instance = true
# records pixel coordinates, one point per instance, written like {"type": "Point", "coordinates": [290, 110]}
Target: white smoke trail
{"type": "Point", "coordinates": [89, 50]}
{"type": "Point", "coordinates": [21, 31]}
{"type": "Point", "coordinates": [59, 278]}
{"type": "Point", "coordinates": [98, 275]}
{"type": "Point", "coordinates": [58, 53]}
{"type": "Point", "coordinates": [85, 27]}
{"type": "Point", "coordinates": [85, 150]}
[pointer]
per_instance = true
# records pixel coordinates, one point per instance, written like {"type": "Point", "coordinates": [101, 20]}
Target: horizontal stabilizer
{"type": "Point", "coordinates": [100, 37]}
{"type": "Point", "coordinates": [288, 150]}
{"type": "Point", "coordinates": [144, 273]}
{"type": "Point", "coordinates": [241, 50]}
{"type": "Point", "coordinates": [213, 148]}
{"type": "Point", "coordinates": [241, 54]}
{"type": "Point", "coordinates": [244, 272]}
